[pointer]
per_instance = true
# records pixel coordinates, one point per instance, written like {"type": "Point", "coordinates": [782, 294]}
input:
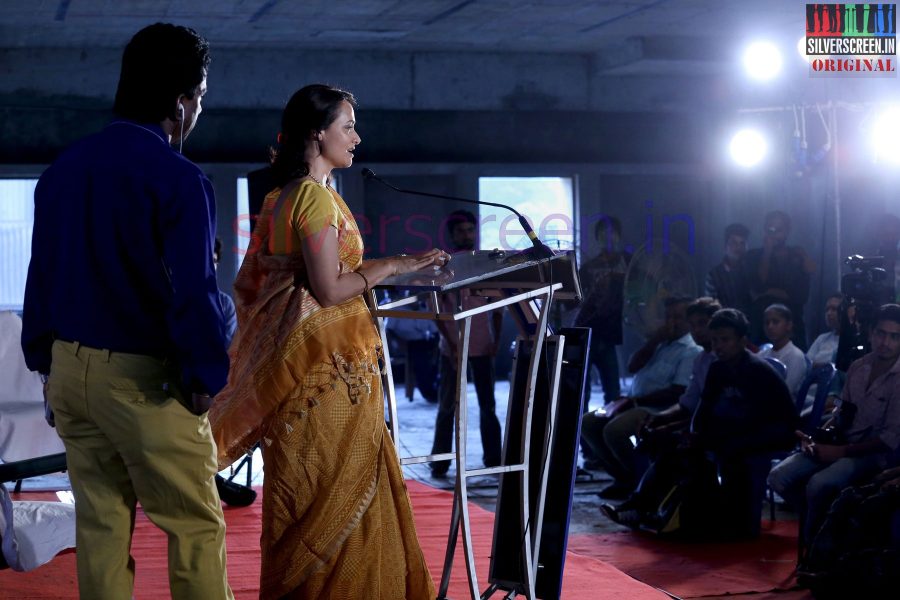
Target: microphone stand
{"type": "Point", "coordinates": [539, 251]}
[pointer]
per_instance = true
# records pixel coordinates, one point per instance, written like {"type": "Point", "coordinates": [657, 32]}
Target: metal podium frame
{"type": "Point", "coordinates": [519, 286]}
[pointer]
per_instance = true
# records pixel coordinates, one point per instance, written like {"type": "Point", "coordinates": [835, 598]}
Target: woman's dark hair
{"type": "Point", "coordinates": [160, 63]}
{"type": "Point", "coordinates": [312, 108]}
{"type": "Point", "coordinates": [730, 318]}
{"type": "Point", "coordinates": [782, 310]}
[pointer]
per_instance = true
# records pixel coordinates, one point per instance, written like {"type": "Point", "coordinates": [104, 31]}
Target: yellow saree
{"type": "Point", "coordinates": [305, 380]}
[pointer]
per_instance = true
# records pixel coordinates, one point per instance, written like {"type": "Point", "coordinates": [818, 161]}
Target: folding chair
{"type": "Point", "coordinates": [820, 377]}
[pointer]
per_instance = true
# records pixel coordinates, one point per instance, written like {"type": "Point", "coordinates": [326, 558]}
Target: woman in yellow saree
{"type": "Point", "coordinates": [305, 379]}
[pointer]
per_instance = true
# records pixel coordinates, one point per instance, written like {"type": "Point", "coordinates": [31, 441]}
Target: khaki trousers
{"type": "Point", "coordinates": [129, 439]}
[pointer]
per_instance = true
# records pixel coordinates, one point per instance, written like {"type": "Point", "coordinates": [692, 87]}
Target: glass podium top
{"type": "Point", "coordinates": [492, 269]}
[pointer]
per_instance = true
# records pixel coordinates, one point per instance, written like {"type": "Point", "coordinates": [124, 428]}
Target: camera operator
{"type": "Point", "coordinates": [867, 432]}
{"type": "Point", "coordinates": [865, 289]}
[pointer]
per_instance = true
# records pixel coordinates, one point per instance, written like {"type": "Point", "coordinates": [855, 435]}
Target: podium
{"type": "Point", "coordinates": [527, 287]}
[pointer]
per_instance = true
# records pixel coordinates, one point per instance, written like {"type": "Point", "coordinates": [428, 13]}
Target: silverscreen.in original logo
{"type": "Point", "coordinates": [851, 40]}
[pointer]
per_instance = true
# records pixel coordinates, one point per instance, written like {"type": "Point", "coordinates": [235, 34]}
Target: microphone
{"type": "Point", "coordinates": [540, 249]}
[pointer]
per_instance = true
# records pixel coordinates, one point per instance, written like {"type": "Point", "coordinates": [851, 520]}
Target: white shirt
{"type": "Point", "coordinates": [823, 349]}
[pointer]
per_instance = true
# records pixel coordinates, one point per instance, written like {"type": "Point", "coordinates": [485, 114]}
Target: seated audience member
{"type": "Point", "coordinates": [745, 413]}
{"type": "Point", "coordinates": [779, 323]}
{"type": "Point", "coordinates": [225, 300]}
{"type": "Point", "coordinates": [662, 370]}
{"type": "Point", "coordinates": [727, 281]}
{"type": "Point", "coordinates": [856, 552]}
{"type": "Point", "coordinates": [868, 421]}
{"type": "Point", "coordinates": [823, 348]}
{"type": "Point", "coordinates": [677, 416]}
{"type": "Point", "coordinates": [778, 273]}
{"type": "Point", "coordinates": [661, 432]}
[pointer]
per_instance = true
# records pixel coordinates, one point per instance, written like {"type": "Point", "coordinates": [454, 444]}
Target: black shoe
{"type": "Point", "coordinates": [439, 469]}
{"type": "Point", "coordinates": [234, 494]}
{"type": "Point", "coordinates": [616, 491]}
{"type": "Point", "coordinates": [583, 474]}
{"type": "Point", "coordinates": [593, 464]}
{"type": "Point", "coordinates": [628, 517]}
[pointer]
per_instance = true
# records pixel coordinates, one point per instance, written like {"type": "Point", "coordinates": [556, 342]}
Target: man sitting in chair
{"type": "Point", "coordinates": [869, 419]}
{"type": "Point", "coordinates": [662, 370]}
{"type": "Point", "coordinates": [745, 412]}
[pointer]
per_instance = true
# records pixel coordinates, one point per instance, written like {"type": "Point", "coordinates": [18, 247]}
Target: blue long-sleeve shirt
{"type": "Point", "coordinates": [122, 256]}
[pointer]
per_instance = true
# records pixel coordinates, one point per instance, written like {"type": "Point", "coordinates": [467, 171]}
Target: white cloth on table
{"type": "Point", "coordinates": [24, 432]}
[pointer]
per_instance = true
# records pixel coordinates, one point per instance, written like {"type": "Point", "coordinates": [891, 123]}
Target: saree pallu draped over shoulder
{"type": "Point", "coordinates": [305, 382]}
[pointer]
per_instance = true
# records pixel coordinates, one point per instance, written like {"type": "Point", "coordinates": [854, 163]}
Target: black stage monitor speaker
{"type": "Point", "coordinates": [507, 567]}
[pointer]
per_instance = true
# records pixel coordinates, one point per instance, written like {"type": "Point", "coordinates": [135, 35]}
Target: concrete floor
{"type": "Point", "coordinates": [417, 418]}
{"type": "Point", "coordinates": [416, 435]}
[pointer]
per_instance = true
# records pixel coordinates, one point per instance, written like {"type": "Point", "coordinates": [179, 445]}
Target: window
{"type": "Point", "coordinates": [546, 202]}
{"type": "Point", "coordinates": [242, 223]}
{"type": "Point", "coordinates": [16, 223]}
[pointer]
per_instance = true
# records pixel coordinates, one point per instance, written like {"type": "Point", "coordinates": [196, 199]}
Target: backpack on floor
{"type": "Point", "coordinates": [688, 508]}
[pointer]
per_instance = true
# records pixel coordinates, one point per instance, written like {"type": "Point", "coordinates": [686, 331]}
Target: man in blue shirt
{"type": "Point", "coordinates": [662, 369]}
{"type": "Point", "coordinates": [122, 312]}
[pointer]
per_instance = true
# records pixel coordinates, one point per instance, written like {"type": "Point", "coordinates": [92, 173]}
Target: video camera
{"type": "Point", "coordinates": [864, 290]}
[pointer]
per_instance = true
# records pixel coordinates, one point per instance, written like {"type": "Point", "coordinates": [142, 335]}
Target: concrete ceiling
{"type": "Point", "coordinates": [418, 25]}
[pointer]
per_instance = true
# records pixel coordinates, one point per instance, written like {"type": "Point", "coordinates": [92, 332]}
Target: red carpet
{"type": "Point", "coordinates": [691, 570]}
{"type": "Point", "coordinates": [585, 577]}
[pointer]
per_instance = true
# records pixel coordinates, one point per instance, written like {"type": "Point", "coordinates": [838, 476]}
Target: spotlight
{"type": "Point", "coordinates": [762, 61]}
{"type": "Point", "coordinates": [748, 147]}
{"type": "Point", "coordinates": [886, 136]}
{"type": "Point", "coordinates": [801, 48]}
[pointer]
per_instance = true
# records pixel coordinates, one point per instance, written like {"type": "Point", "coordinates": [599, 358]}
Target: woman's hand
{"type": "Point", "coordinates": [413, 262]}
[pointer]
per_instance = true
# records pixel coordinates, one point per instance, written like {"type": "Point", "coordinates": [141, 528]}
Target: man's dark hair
{"type": "Point", "coordinates": [780, 215]}
{"type": "Point", "coordinates": [676, 300]}
{"type": "Point", "coordinates": [888, 312]}
{"type": "Point", "coordinates": [738, 229]}
{"type": "Point", "coordinates": [782, 310]}
{"type": "Point", "coordinates": [609, 224]}
{"type": "Point", "coordinates": [311, 109]}
{"type": "Point", "coordinates": [837, 295]}
{"type": "Point", "coordinates": [458, 217]}
{"type": "Point", "coordinates": [703, 306]}
{"type": "Point", "coordinates": [160, 63]}
{"type": "Point", "coordinates": [730, 318]}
